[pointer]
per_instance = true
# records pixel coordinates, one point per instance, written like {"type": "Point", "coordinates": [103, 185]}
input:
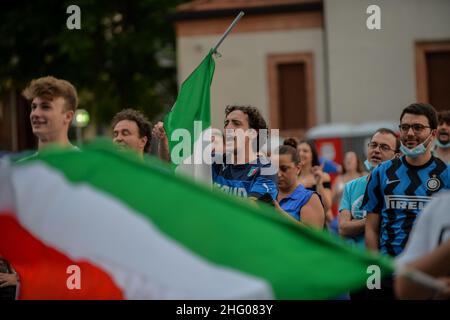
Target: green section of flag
{"type": "Point", "coordinates": [193, 103]}
{"type": "Point", "coordinates": [298, 262]}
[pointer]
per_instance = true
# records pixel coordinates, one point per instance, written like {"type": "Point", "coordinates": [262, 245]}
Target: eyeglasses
{"type": "Point", "coordinates": [383, 147]}
{"type": "Point", "coordinates": [417, 127]}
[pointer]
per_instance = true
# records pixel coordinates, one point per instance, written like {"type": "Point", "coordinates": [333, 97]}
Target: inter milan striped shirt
{"type": "Point", "coordinates": [398, 191]}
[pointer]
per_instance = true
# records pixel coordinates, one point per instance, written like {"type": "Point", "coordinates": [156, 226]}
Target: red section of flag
{"type": "Point", "coordinates": [43, 270]}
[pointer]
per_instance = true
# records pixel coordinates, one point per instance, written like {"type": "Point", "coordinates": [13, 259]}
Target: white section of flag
{"type": "Point", "coordinates": [143, 262]}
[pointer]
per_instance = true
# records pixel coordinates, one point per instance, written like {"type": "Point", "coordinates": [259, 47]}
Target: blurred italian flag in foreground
{"type": "Point", "coordinates": [137, 231]}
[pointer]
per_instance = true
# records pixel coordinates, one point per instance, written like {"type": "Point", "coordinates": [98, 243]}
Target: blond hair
{"type": "Point", "coordinates": [50, 87]}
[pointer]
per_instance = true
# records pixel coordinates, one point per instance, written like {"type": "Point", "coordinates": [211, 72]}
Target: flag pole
{"type": "Point", "coordinates": [235, 21]}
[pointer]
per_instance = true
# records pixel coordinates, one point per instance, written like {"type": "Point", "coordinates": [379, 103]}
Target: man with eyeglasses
{"type": "Point", "coordinates": [384, 145]}
{"type": "Point", "coordinates": [398, 189]}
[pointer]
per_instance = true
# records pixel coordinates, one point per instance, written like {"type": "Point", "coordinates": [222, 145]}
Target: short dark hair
{"type": "Point", "coordinates": [422, 109]}
{"type": "Point", "coordinates": [144, 126]}
{"type": "Point", "coordinates": [255, 121]}
{"type": "Point", "coordinates": [389, 131]}
{"type": "Point", "coordinates": [290, 147]}
{"type": "Point", "coordinates": [315, 154]}
{"type": "Point", "coordinates": [444, 117]}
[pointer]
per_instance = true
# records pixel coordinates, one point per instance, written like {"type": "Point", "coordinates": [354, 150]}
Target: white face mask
{"type": "Point", "coordinates": [369, 166]}
{"type": "Point", "coordinates": [442, 145]}
{"type": "Point", "coordinates": [416, 151]}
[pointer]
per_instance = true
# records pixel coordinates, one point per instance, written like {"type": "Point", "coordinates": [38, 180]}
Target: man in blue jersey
{"type": "Point", "coordinates": [399, 189]}
{"type": "Point", "coordinates": [243, 171]}
{"type": "Point", "coordinates": [238, 169]}
{"type": "Point", "coordinates": [384, 145]}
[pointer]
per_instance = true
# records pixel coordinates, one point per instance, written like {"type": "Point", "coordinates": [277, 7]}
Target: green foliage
{"type": "Point", "coordinates": [123, 56]}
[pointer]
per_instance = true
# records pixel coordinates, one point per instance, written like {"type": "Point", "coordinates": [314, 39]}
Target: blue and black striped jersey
{"type": "Point", "coordinates": [399, 191]}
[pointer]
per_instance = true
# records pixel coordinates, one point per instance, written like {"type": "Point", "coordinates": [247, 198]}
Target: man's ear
{"type": "Point", "coordinates": [434, 133]}
{"type": "Point", "coordinates": [143, 142]}
{"type": "Point", "coordinates": [69, 116]}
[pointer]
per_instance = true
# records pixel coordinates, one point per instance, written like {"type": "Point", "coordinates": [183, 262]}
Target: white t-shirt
{"type": "Point", "coordinates": [431, 229]}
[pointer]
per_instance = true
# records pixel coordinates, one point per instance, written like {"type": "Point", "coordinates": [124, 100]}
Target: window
{"type": "Point", "coordinates": [433, 73]}
{"type": "Point", "coordinates": [291, 93]}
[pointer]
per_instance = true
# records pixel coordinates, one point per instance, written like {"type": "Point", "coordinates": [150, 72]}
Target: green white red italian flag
{"type": "Point", "coordinates": [138, 231]}
{"type": "Point", "coordinates": [191, 114]}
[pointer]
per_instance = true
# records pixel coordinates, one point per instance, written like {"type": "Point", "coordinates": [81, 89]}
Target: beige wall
{"type": "Point", "coordinates": [372, 72]}
{"type": "Point", "coordinates": [241, 72]}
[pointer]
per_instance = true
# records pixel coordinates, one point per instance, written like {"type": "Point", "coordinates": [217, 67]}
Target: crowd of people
{"type": "Point", "coordinates": [390, 206]}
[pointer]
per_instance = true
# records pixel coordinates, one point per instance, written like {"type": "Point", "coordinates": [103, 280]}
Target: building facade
{"type": "Point", "coordinates": [309, 62]}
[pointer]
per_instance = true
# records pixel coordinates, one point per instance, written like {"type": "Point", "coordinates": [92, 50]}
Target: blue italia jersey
{"type": "Point", "coordinates": [399, 191]}
{"type": "Point", "coordinates": [245, 180]}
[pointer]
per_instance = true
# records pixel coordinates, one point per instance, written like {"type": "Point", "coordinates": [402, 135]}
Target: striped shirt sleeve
{"type": "Point", "coordinates": [373, 198]}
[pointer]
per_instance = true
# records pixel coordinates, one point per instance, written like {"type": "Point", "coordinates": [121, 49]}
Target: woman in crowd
{"type": "Point", "coordinates": [352, 169]}
{"type": "Point", "coordinates": [301, 204]}
{"type": "Point", "coordinates": [312, 176]}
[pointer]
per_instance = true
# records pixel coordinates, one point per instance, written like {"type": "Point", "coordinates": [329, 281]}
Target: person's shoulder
{"type": "Point", "coordinates": [357, 181]}
{"type": "Point", "coordinates": [355, 184]}
{"type": "Point", "coordinates": [387, 165]}
{"type": "Point", "coordinates": [397, 161]}
{"type": "Point", "coordinates": [300, 189]}
{"type": "Point", "coordinates": [302, 193]}
{"type": "Point", "coordinates": [439, 162]}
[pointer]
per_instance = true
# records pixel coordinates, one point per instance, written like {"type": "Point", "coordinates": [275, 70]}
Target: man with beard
{"type": "Point", "coordinates": [132, 130]}
{"type": "Point", "coordinates": [442, 150]}
{"type": "Point", "coordinates": [239, 168]}
{"type": "Point", "coordinates": [241, 172]}
{"type": "Point", "coordinates": [399, 189]}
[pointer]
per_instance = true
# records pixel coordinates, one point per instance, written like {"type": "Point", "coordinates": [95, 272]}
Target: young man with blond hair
{"type": "Point", "coordinates": [53, 105]}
